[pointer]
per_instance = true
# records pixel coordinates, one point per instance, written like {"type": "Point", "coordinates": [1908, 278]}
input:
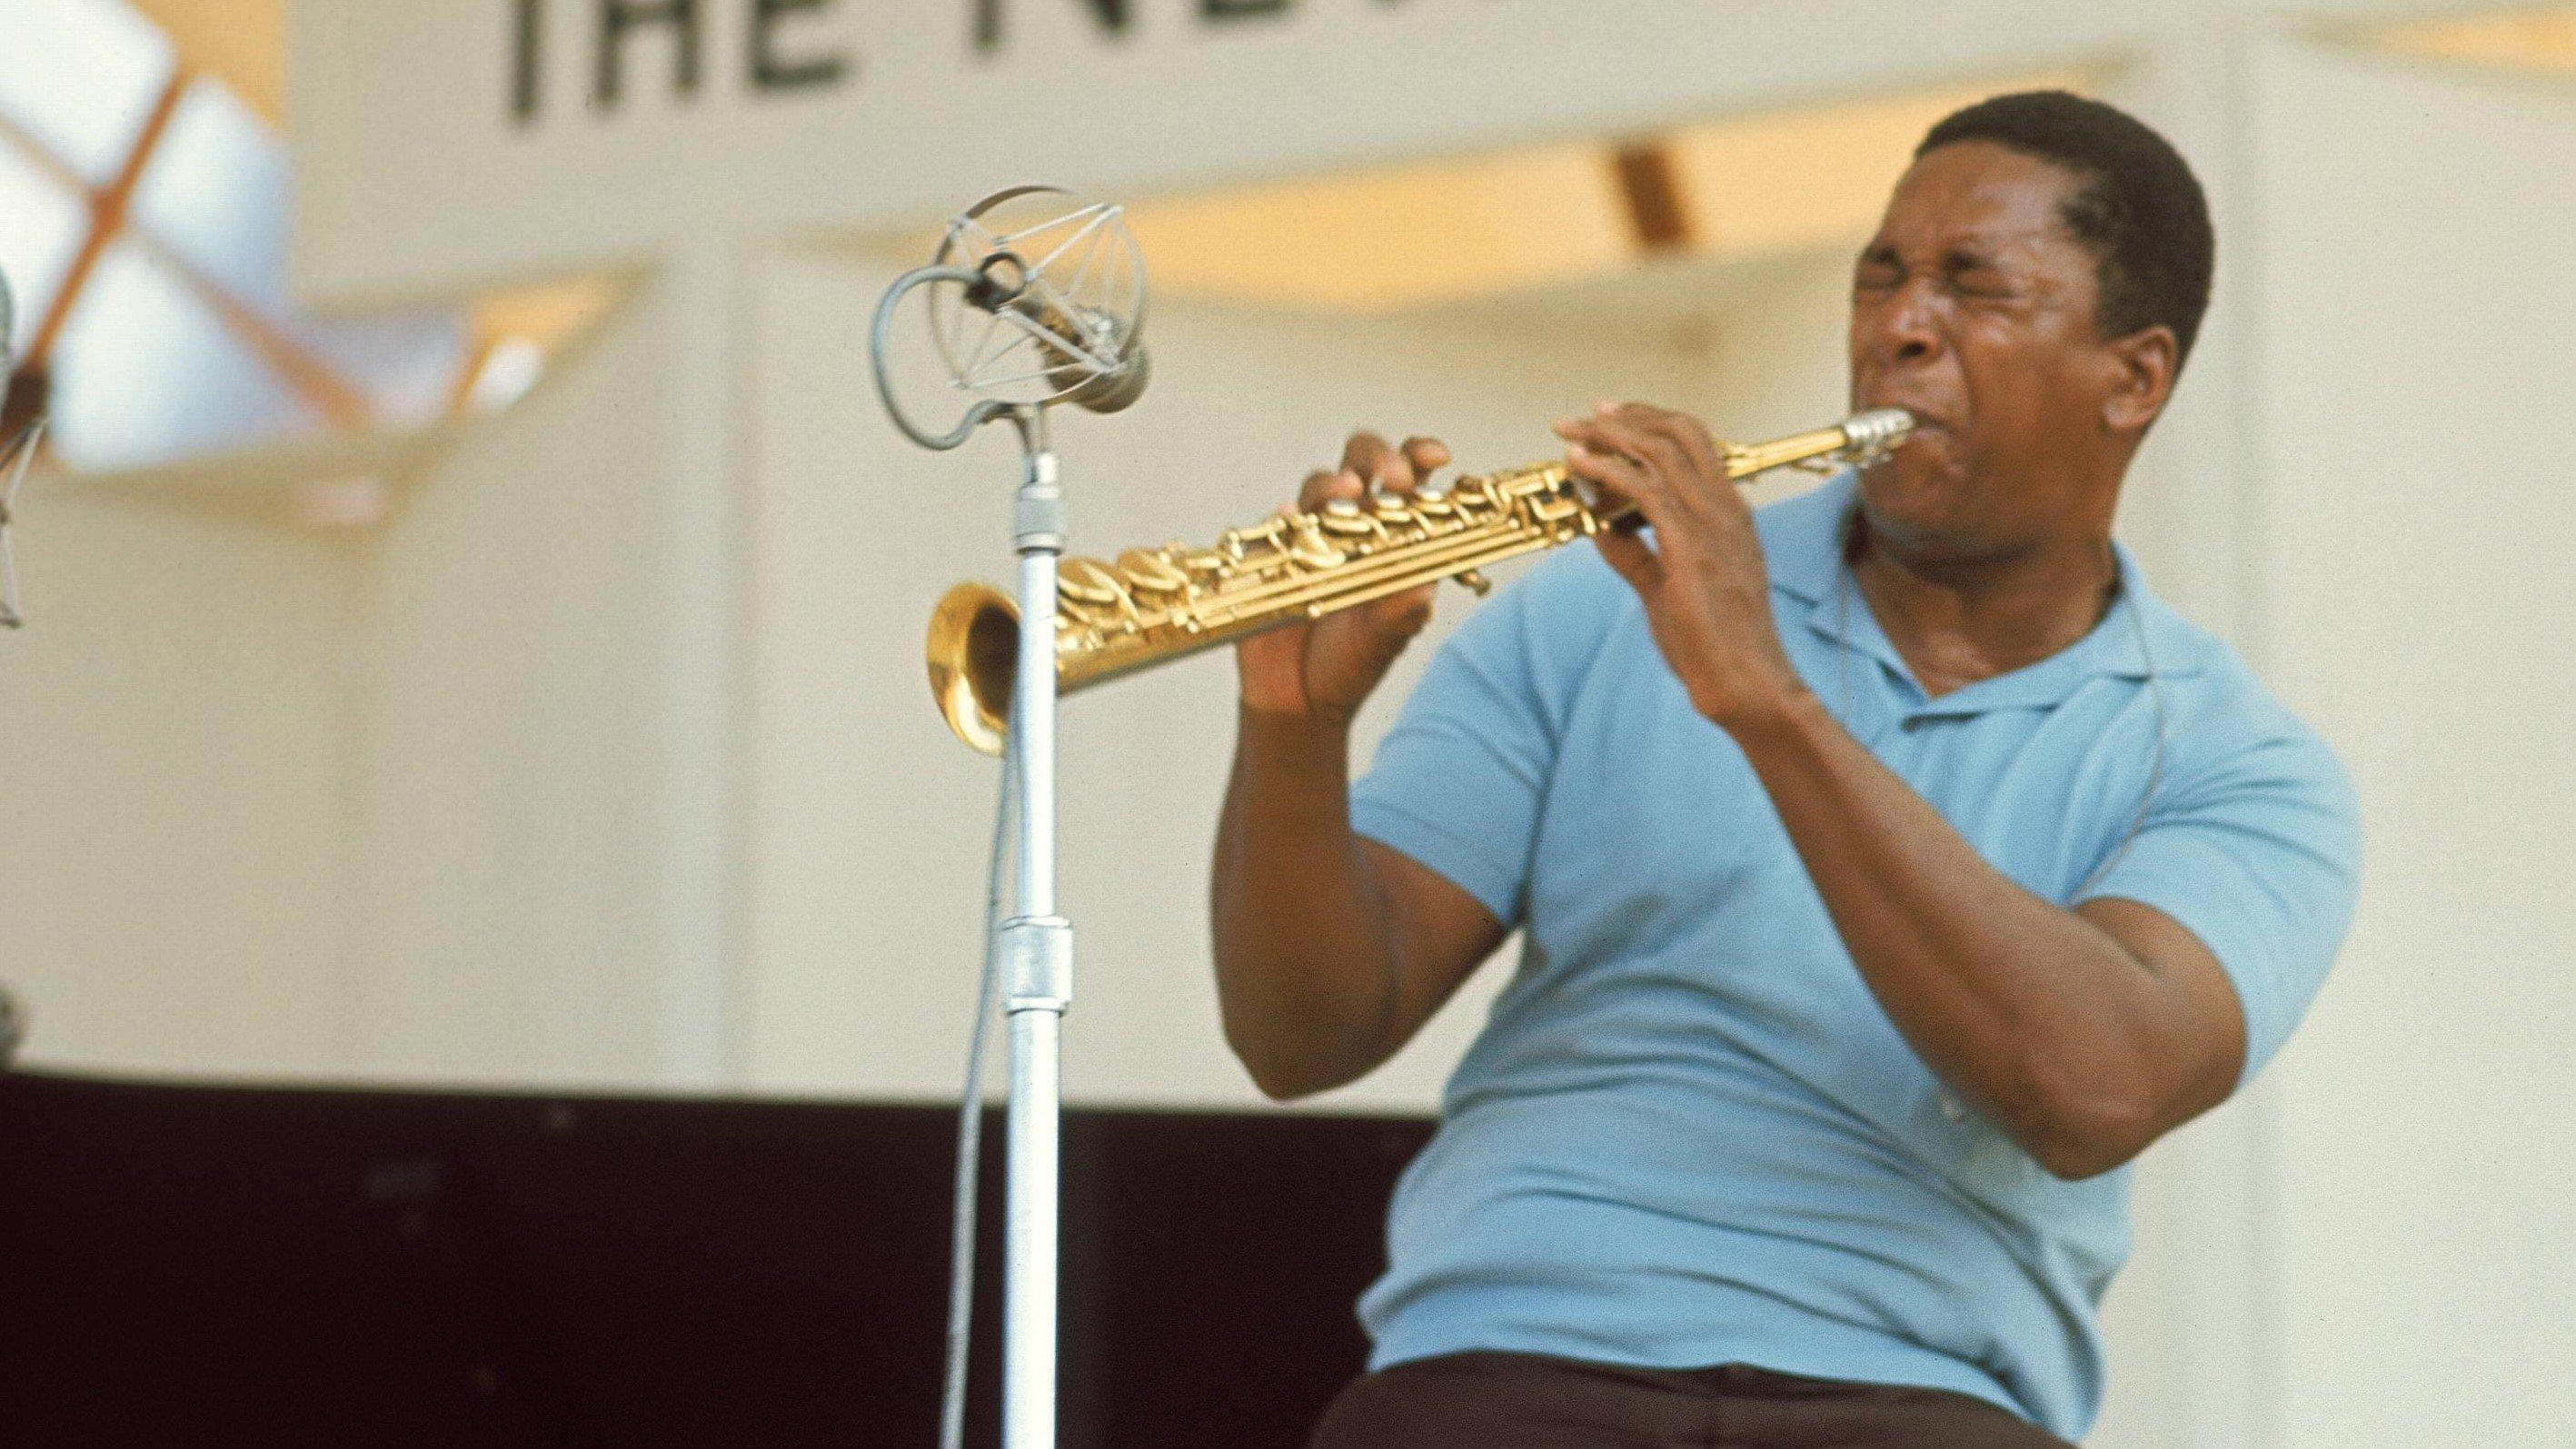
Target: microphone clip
{"type": "Point", "coordinates": [989, 292]}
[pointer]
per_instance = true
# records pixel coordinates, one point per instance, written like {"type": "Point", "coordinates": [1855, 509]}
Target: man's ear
{"type": "Point", "coordinates": [2146, 361]}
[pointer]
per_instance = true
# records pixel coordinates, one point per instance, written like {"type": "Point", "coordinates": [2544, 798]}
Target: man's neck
{"type": "Point", "coordinates": [1957, 621]}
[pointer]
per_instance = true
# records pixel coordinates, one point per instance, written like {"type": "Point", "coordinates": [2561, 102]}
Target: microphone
{"type": "Point", "coordinates": [1095, 361]}
{"type": "Point", "coordinates": [1034, 298]}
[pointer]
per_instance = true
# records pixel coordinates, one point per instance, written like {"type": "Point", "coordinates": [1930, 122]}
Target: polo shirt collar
{"type": "Point", "coordinates": [1802, 543]}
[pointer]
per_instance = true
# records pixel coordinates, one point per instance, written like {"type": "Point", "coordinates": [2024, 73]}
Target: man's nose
{"type": "Point", "coordinates": [1905, 327]}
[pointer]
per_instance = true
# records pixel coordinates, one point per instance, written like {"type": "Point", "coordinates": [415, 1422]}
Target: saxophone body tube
{"type": "Point", "coordinates": [1153, 605]}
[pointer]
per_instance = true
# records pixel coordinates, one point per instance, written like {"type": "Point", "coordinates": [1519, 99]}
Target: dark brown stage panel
{"type": "Point", "coordinates": [201, 1267]}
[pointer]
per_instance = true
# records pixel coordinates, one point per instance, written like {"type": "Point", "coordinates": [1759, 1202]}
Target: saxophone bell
{"type": "Point", "coordinates": [974, 653]}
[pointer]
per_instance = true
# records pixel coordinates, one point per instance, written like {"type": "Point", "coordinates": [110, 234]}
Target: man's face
{"type": "Point", "coordinates": [1973, 308]}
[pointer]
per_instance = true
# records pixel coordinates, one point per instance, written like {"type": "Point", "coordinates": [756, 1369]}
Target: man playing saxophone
{"type": "Point", "coordinates": [1894, 868]}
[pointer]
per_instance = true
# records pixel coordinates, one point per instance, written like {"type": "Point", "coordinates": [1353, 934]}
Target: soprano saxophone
{"type": "Point", "coordinates": [1158, 604]}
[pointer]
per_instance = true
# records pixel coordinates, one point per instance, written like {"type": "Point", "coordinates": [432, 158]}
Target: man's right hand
{"type": "Point", "coordinates": [1320, 673]}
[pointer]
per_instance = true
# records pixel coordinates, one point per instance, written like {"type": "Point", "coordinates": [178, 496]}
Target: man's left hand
{"type": "Point", "coordinates": [1707, 594]}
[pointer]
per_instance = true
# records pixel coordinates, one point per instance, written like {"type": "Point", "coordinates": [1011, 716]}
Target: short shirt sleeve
{"type": "Point", "coordinates": [2258, 854]}
{"type": "Point", "coordinates": [1457, 783]}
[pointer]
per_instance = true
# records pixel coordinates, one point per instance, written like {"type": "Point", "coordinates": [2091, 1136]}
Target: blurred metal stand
{"type": "Point", "coordinates": [17, 452]}
{"type": "Point", "coordinates": [23, 403]}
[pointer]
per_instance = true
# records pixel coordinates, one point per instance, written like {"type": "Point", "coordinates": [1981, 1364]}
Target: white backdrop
{"type": "Point", "coordinates": [2417, 606]}
{"type": "Point", "coordinates": [416, 169]}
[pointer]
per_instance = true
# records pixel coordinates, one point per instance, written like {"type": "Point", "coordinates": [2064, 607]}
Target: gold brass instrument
{"type": "Point", "coordinates": [1154, 605]}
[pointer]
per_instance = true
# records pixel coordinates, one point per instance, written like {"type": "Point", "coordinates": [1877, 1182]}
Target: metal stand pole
{"type": "Point", "coordinates": [1037, 952]}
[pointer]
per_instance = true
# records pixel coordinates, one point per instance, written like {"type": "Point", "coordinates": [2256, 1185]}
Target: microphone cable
{"type": "Point", "coordinates": [970, 1111]}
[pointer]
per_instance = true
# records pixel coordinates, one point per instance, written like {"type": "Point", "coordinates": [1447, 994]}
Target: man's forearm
{"type": "Point", "coordinates": [1306, 964]}
{"type": "Point", "coordinates": [2069, 1041]}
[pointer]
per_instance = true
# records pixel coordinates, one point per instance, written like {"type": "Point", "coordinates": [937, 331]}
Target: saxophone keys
{"type": "Point", "coordinates": [1345, 517]}
{"type": "Point", "coordinates": [1151, 571]}
{"type": "Point", "coordinates": [1086, 587]}
{"type": "Point", "coordinates": [1237, 543]}
{"type": "Point", "coordinates": [1308, 545]}
{"type": "Point", "coordinates": [1476, 582]}
{"type": "Point", "coordinates": [1208, 569]}
{"type": "Point", "coordinates": [1088, 581]}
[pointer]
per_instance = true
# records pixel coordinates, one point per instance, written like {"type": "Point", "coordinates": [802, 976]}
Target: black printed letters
{"type": "Point", "coordinates": [781, 51]}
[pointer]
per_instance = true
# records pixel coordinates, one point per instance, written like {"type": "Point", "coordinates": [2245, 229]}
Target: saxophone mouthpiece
{"type": "Point", "coordinates": [1878, 430]}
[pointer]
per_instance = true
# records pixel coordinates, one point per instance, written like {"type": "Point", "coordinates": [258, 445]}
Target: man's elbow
{"type": "Point", "coordinates": [1273, 1075]}
{"type": "Point", "coordinates": [2074, 1155]}
{"type": "Point", "coordinates": [1286, 1072]}
{"type": "Point", "coordinates": [2085, 1130]}
{"type": "Point", "coordinates": [1286, 1087]}
{"type": "Point", "coordinates": [1293, 1081]}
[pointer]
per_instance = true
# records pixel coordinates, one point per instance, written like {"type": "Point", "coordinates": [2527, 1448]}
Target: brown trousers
{"type": "Point", "coordinates": [1529, 1401]}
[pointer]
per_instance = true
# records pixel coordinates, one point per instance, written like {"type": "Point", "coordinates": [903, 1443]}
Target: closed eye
{"type": "Point", "coordinates": [1876, 271]}
{"type": "Point", "coordinates": [1973, 274]}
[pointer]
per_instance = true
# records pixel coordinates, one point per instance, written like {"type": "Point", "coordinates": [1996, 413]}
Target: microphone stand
{"type": "Point", "coordinates": [1037, 966]}
{"type": "Point", "coordinates": [1033, 944]}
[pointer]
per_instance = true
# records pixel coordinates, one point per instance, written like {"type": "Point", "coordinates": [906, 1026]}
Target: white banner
{"type": "Point", "coordinates": [451, 143]}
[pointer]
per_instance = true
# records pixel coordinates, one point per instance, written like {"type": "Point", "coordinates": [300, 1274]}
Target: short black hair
{"type": "Point", "coordinates": [2139, 207]}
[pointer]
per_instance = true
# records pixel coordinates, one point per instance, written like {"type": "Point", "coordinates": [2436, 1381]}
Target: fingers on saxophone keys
{"type": "Point", "coordinates": [1324, 485]}
{"type": "Point", "coordinates": [1618, 459]}
{"type": "Point", "coordinates": [1618, 479]}
{"type": "Point", "coordinates": [1590, 453]}
{"type": "Point", "coordinates": [1426, 457]}
{"type": "Point", "coordinates": [1686, 436]}
{"type": "Point", "coordinates": [1644, 436]}
{"type": "Point", "coordinates": [1384, 468]}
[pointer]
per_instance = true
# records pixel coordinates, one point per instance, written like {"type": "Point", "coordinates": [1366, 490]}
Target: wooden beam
{"type": "Point", "coordinates": [107, 209]}
{"type": "Point", "coordinates": [110, 210]}
{"type": "Point", "coordinates": [1651, 186]}
{"type": "Point", "coordinates": [239, 42]}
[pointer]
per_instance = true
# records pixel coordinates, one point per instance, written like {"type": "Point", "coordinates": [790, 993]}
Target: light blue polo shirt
{"type": "Point", "coordinates": [1688, 1134]}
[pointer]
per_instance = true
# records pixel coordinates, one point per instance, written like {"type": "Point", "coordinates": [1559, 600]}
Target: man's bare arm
{"type": "Point", "coordinates": [2085, 1034]}
{"type": "Point", "coordinates": [1332, 949]}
